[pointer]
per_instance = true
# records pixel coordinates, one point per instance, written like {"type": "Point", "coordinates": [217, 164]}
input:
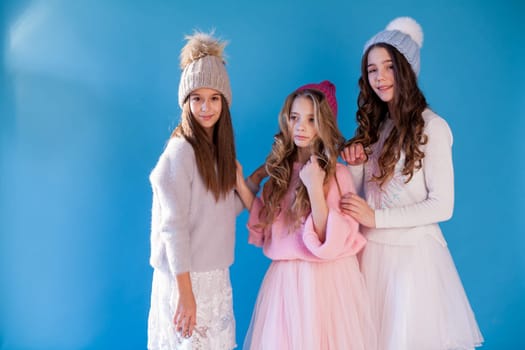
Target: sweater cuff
{"type": "Point", "coordinates": [251, 186]}
{"type": "Point", "coordinates": [255, 233]}
{"type": "Point", "coordinates": [379, 216]}
{"type": "Point", "coordinates": [342, 238]}
{"type": "Point", "coordinates": [178, 257]}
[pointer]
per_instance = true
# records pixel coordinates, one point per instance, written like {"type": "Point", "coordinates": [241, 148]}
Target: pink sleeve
{"type": "Point", "coordinates": [342, 236]}
{"type": "Point", "coordinates": [342, 231]}
{"type": "Point", "coordinates": [255, 234]}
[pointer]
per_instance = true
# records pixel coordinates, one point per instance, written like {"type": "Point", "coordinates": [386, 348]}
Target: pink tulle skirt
{"type": "Point", "coordinates": [418, 301]}
{"type": "Point", "coordinates": [312, 306]}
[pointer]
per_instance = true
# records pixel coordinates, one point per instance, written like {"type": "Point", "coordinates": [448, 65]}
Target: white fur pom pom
{"type": "Point", "coordinates": [408, 26]}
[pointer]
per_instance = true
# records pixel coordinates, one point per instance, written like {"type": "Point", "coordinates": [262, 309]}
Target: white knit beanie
{"type": "Point", "coordinates": [203, 66]}
{"type": "Point", "coordinates": [406, 35]}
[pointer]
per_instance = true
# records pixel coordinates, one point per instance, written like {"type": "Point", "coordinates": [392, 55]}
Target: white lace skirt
{"type": "Point", "coordinates": [215, 328]}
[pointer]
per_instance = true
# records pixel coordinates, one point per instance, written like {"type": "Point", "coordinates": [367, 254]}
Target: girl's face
{"type": "Point", "coordinates": [381, 73]}
{"type": "Point", "coordinates": [206, 107]}
{"type": "Point", "coordinates": [302, 122]}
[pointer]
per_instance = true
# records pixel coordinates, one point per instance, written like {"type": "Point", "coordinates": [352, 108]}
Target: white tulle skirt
{"type": "Point", "coordinates": [215, 327]}
{"type": "Point", "coordinates": [418, 300]}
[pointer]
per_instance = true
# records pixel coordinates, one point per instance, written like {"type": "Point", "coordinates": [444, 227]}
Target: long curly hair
{"type": "Point", "coordinates": [279, 162]}
{"type": "Point", "coordinates": [405, 110]}
{"type": "Point", "coordinates": [216, 157]}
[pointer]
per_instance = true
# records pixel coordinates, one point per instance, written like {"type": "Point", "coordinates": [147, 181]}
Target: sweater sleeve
{"type": "Point", "coordinates": [439, 182]}
{"type": "Point", "coordinates": [253, 187]}
{"type": "Point", "coordinates": [239, 205]}
{"type": "Point", "coordinates": [342, 231]}
{"type": "Point", "coordinates": [357, 172]}
{"type": "Point", "coordinates": [173, 183]}
{"type": "Point", "coordinates": [255, 233]}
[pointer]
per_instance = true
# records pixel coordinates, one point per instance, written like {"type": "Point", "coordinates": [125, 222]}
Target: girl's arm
{"type": "Point", "coordinates": [351, 202]}
{"type": "Point", "coordinates": [342, 231]}
{"type": "Point", "coordinates": [356, 157]}
{"type": "Point", "coordinates": [186, 313]}
{"type": "Point", "coordinates": [439, 183]}
{"type": "Point", "coordinates": [172, 181]}
{"type": "Point", "coordinates": [313, 177]}
{"type": "Point", "coordinates": [242, 188]}
{"type": "Point", "coordinates": [254, 180]}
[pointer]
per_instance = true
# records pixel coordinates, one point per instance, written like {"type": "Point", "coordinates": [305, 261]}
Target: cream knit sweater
{"type": "Point", "coordinates": [190, 231]}
{"type": "Point", "coordinates": [405, 212]}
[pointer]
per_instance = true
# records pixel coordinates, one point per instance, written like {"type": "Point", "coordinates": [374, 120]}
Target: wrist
{"type": "Point", "coordinates": [315, 191]}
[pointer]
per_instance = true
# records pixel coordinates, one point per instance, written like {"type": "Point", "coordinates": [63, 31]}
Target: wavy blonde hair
{"type": "Point", "coordinates": [279, 163]}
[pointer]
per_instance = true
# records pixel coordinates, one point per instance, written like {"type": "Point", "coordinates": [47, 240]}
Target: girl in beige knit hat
{"type": "Point", "coordinates": [194, 211]}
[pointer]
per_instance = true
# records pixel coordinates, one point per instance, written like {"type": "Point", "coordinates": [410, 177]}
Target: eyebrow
{"type": "Point", "coordinates": [383, 62]}
{"type": "Point", "coordinates": [306, 115]}
{"type": "Point", "coordinates": [197, 94]}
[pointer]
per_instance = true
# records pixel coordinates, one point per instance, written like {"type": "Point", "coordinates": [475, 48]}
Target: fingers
{"type": "Point", "coordinates": [345, 154]}
{"type": "Point", "coordinates": [358, 208]}
{"type": "Point", "coordinates": [345, 199]}
{"type": "Point", "coordinates": [349, 154]}
{"type": "Point", "coordinates": [184, 324]}
{"type": "Point", "coordinates": [352, 203]}
{"type": "Point", "coordinates": [354, 154]}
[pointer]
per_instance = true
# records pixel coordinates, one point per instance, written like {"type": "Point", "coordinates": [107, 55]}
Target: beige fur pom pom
{"type": "Point", "coordinates": [200, 45]}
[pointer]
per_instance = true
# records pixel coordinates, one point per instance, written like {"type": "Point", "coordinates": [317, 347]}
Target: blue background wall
{"type": "Point", "coordinates": [88, 99]}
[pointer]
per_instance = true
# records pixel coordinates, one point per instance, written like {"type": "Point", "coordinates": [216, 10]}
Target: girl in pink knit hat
{"type": "Point", "coordinates": [313, 295]}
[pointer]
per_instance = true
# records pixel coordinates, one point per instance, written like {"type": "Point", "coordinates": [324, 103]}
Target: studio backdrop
{"type": "Point", "coordinates": [88, 101]}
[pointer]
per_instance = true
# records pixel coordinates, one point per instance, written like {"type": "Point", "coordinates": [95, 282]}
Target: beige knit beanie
{"type": "Point", "coordinates": [203, 66]}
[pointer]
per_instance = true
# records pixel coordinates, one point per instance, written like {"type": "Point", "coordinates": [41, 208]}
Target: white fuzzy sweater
{"type": "Point", "coordinates": [190, 231]}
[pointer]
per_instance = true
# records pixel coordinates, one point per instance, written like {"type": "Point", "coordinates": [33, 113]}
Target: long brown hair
{"type": "Point", "coordinates": [405, 110]}
{"type": "Point", "coordinates": [279, 163]}
{"type": "Point", "coordinates": [216, 157]}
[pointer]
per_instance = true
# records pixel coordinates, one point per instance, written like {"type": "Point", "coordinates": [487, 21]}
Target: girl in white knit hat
{"type": "Point", "coordinates": [194, 211]}
{"type": "Point", "coordinates": [401, 160]}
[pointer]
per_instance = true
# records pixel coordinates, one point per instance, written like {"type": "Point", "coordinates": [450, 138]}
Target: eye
{"type": "Point", "coordinates": [195, 98]}
{"type": "Point", "coordinates": [293, 117]}
{"type": "Point", "coordinates": [391, 67]}
{"type": "Point", "coordinates": [216, 98]}
{"type": "Point", "coordinates": [372, 70]}
{"type": "Point", "coordinates": [311, 120]}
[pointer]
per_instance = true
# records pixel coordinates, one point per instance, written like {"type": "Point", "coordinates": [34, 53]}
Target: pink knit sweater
{"type": "Point", "coordinates": [282, 242]}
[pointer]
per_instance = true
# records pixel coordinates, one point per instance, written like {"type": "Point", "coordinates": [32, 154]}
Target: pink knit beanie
{"type": "Point", "coordinates": [328, 90]}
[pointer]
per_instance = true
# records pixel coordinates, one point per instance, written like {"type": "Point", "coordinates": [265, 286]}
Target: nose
{"type": "Point", "coordinates": [204, 105]}
{"type": "Point", "coordinates": [299, 125]}
{"type": "Point", "coordinates": [380, 75]}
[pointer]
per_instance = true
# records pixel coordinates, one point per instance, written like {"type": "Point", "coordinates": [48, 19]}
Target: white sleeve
{"type": "Point", "coordinates": [357, 172]}
{"type": "Point", "coordinates": [439, 181]}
